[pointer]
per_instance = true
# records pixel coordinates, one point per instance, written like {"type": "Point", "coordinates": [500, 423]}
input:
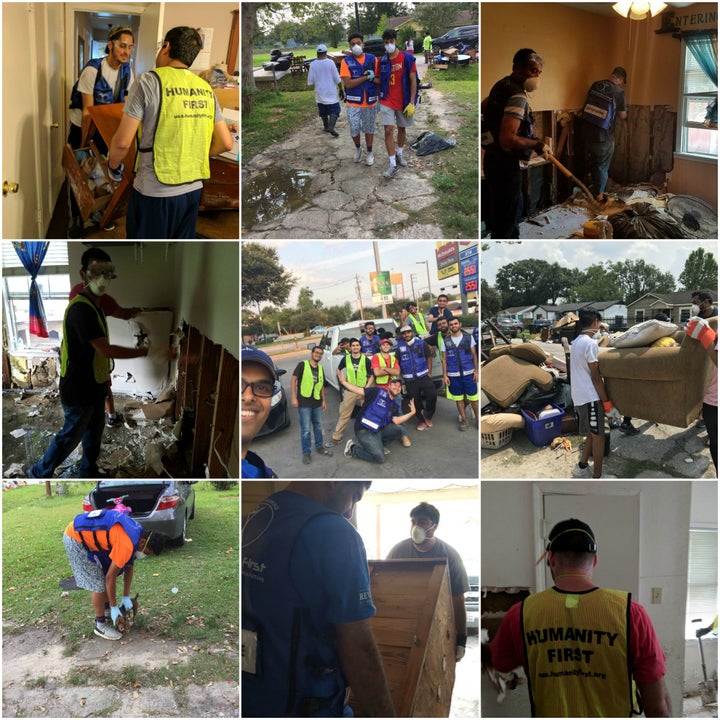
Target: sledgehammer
{"type": "Point", "coordinates": [565, 171]}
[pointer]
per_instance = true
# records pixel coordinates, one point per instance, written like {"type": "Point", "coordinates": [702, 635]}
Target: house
{"type": "Point", "coordinates": [661, 141]}
{"type": "Point", "coordinates": [186, 408]}
{"type": "Point", "coordinates": [37, 121]}
{"type": "Point", "coordinates": [677, 306]}
{"type": "Point", "coordinates": [526, 314]}
{"type": "Point", "coordinates": [613, 312]}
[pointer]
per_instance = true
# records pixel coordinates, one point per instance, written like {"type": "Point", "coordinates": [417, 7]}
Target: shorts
{"type": "Point", "coordinates": [388, 116]}
{"type": "Point", "coordinates": [462, 387]}
{"type": "Point", "coordinates": [361, 120]}
{"type": "Point", "coordinates": [591, 419]}
{"type": "Point", "coordinates": [88, 574]}
{"type": "Point", "coordinates": [327, 110]}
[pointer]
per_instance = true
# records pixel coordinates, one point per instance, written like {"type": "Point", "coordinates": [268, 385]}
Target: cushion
{"type": "Point", "coordinates": [505, 379]}
{"type": "Point", "coordinates": [664, 342]}
{"type": "Point", "coordinates": [501, 421]}
{"type": "Point", "coordinates": [526, 351]}
{"type": "Point", "coordinates": [644, 334]}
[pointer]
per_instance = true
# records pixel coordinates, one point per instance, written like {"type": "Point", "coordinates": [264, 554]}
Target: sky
{"type": "Point", "coordinates": [328, 267]}
{"type": "Point", "coordinates": [667, 255]}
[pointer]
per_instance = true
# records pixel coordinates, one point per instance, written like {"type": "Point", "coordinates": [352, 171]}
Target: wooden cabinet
{"type": "Point", "coordinates": [414, 628]}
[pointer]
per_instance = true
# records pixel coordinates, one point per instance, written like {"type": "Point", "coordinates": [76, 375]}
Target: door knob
{"type": "Point", "coordinates": [54, 125]}
{"type": "Point", "coordinates": [9, 187]}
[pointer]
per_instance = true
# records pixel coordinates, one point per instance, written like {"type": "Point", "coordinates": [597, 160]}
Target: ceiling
{"type": "Point", "coordinates": [605, 8]}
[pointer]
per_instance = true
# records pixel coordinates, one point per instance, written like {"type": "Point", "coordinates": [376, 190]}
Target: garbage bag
{"type": "Point", "coordinates": [428, 143]}
{"type": "Point", "coordinates": [643, 220]}
{"type": "Point", "coordinates": [534, 397]}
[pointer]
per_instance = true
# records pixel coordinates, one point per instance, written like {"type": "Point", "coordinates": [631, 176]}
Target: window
{"type": "Point", "coordinates": [697, 93]}
{"type": "Point", "coordinates": [702, 580]}
{"type": "Point", "coordinates": [54, 285]}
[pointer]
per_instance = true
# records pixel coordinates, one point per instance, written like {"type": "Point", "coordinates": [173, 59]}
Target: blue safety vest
{"type": "Point", "coordinates": [104, 520]}
{"type": "Point", "coordinates": [379, 412]}
{"type": "Point", "coordinates": [103, 94]}
{"type": "Point", "coordinates": [386, 72]}
{"type": "Point", "coordinates": [413, 363]}
{"type": "Point", "coordinates": [459, 358]}
{"type": "Point", "coordinates": [371, 346]}
{"type": "Point", "coordinates": [290, 668]}
{"type": "Point", "coordinates": [367, 91]}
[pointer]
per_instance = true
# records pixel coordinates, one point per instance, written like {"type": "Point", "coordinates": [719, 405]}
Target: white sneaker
{"type": "Point", "coordinates": [391, 171]}
{"type": "Point", "coordinates": [579, 472]}
{"type": "Point", "coordinates": [358, 154]}
{"type": "Point", "coordinates": [107, 631]}
{"type": "Point", "coordinates": [370, 158]}
{"type": "Point", "coordinates": [348, 448]}
{"type": "Point", "coordinates": [400, 160]}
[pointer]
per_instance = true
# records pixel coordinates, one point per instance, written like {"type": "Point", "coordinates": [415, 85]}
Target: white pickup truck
{"type": "Point", "coordinates": [331, 339]}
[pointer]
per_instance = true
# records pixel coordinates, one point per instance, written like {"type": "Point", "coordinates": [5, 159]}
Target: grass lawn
{"type": "Point", "coordinates": [204, 611]}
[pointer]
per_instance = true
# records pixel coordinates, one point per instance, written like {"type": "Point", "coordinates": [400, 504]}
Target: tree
{"type": "Point", "coordinates": [635, 278]}
{"type": "Point", "coordinates": [700, 271]}
{"type": "Point", "coordinates": [527, 282]}
{"type": "Point", "coordinates": [596, 283]}
{"type": "Point", "coordinates": [490, 299]}
{"type": "Point", "coordinates": [264, 279]}
{"type": "Point", "coordinates": [370, 14]}
{"type": "Point", "coordinates": [435, 17]}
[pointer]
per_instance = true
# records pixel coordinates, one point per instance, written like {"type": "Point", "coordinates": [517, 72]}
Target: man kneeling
{"type": "Point", "coordinates": [379, 421]}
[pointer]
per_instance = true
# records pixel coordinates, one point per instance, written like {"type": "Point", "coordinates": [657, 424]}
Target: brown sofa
{"type": "Point", "coordinates": [664, 385]}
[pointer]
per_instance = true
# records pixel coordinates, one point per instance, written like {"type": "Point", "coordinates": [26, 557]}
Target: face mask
{"type": "Point", "coordinates": [390, 49]}
{"type": "Point", "coordinates": [596, 336]}
{"type": "Point", "coordinates": [694, 310]}
{"type": "Point", "coordinates": [419, 535]}
{"type": "Point", "coordinates": [357, 50]}
{"type": "Point", "coordinates": [99, 286]}
{"type": "Point", "coordinates": [531, 84]}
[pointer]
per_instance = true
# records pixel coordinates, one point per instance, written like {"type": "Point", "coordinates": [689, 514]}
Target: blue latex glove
{"type": "Point", "coordinates": [115, 614]}
{"type": "Point", "coordinates": [126, 603]}
{"type": "Point", "coordinates": [370, 74]}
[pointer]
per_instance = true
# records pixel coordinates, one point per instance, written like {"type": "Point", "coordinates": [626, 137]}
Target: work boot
{"type": "Point", "coordinates": [331, 125]}
{"type": "Point", "coordinates": [325, 123]}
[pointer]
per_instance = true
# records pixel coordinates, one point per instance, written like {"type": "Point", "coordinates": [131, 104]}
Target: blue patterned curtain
{"type": "Point", "coordinates": [31, 255]}
{"type": "Point", "coordinates": [703, 47]}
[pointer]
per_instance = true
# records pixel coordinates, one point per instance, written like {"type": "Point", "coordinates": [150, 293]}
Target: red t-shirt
{"type": "Point", "coordinates": [107, 303]}
{"type": "Point", "coordinates": [648, 658]}
{"type": "Point", "coordinates": [394, 99]}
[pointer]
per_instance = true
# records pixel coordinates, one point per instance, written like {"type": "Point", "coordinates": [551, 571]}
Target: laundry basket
{"type": "Point", "coordinates": [495, 440]}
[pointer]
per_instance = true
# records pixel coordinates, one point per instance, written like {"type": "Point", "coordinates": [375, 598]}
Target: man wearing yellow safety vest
{"type": "Point", "coordinates": [415, 319]}
{"type": "Point", "coordinates": [355, 368]}
{"type": "Point", "coordinates": [585, 649]}
{"type": "Point", "coordinates": [182, 127]}
{"type": "Point", "coordinates": [85, 371]}
{"type": "Point", "coordinates": [307, 390]}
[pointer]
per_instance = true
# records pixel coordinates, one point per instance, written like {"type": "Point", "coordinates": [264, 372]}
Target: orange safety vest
{"type": "Point", "coordinates": [577, 650]}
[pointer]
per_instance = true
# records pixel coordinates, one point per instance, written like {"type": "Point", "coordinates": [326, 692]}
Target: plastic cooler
{"type": "Point", "coordinates": [542, 432]}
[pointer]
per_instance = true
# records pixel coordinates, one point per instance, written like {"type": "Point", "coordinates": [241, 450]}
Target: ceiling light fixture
{"type": "Point", "coordinates": [638, 9]}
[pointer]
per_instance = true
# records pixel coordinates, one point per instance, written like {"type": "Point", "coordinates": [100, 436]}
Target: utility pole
{"type": "Point", "coordinates": [427, 267]}
{"type": "Point", "coordinates": [413, 277]}
{"type": "Point", "coordinates": [376, 250]}
{"type": "Point", "coordinates": [359, 296]}
{"type": "Point", "coordinates": [357, 18]}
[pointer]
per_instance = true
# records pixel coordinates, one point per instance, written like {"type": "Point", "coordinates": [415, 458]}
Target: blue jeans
{"type": "Point", "coordinates": [310, 416]}
{"type": "Point", "coordinates": [600, 156]}
{"type": "Point", "coordinates": [371, 444]}
{"type": "Point", "coordinates": [162, 217]}
{"type": "Point", "coordinates": [83, 423]}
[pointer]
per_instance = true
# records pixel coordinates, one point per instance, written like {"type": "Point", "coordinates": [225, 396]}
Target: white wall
{"type": "Point", "coordinates": [508, 549]}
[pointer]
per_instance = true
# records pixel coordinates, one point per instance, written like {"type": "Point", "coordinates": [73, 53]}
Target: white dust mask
{"type": "Point", "coordinates": [357, 50]}
{"type": "Point", "coordinates": [531, 84]}
{"type": "Point", "coordinates": [390, 49]}
{"type": "Point", "coordinates": [695, 310]}
{"type": "Point", "coordinates": [99, 286]}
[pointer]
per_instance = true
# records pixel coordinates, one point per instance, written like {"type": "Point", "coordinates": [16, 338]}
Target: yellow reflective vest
{"type": "Point", "coordinates": [419, 323]}
{"type": "Point", "coordinates": [185, 124]}
{"type": "Point", "coordinates": [385, 379]}
{"type": "Point", "coordinates": [360, 377]}
{"type": "Point", "coordinates": [101, 365]}
{"type": "Point", "coordinates": [307, 387]}
{"type": "Point", "coordinates": [577, 649]}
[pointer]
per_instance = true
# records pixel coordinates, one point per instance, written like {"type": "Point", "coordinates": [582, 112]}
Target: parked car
{"type": "Point", "coordinates": [508, 326]}
{"type": "Point", "coordinates": [375, 46]}
{"type": "Point", "coordinates": [318, 329]}
{"type": "Point", "coordinates": [279, 417]}
{"type": "Point", "coordinates": [163, 506]}
{"type": "Point", "coordinates": [467, 36]}
{"type": "Point", "coordinates": [537, 325]}
{"type": "Point", "coordinates": [268, 337]}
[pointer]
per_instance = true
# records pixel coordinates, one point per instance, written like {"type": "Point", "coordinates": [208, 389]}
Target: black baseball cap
{"type": "Point", "coordinates": [571, 535]}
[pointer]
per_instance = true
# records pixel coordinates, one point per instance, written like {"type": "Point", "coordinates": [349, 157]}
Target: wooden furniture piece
{"type": "Point", "coordinates": [414, 628]}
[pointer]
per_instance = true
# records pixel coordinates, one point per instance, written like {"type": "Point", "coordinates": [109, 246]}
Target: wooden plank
{"type": "Point", "coordinates": [224, 426]}
{"type": "Point", "coordinates": [398, 606]}
{"type": "Point", "coordinates": [207, 381]}
{"type": "Point", "coordinates": [394, 631]}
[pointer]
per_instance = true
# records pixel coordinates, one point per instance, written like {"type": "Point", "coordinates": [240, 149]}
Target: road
{"type": "Point", "coordinates": [442, 451]}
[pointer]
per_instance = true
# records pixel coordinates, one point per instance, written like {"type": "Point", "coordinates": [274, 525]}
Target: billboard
{"type": "Point", "coordinates": [446, 255]}
{"type": "Point", "coordinates": [469, 270]}
{"type": "Point", "coordinates": [381, 287]}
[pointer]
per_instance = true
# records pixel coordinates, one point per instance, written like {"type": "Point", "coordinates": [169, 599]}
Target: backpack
{"type": "Point", "coordinates": [600, 107]}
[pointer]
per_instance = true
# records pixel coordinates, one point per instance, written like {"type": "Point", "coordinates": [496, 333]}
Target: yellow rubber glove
{"type": "Point", "coordinates": [409, 110]}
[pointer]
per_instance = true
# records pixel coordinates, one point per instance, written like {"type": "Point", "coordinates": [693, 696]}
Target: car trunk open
{"type": "Point", "coordinates": [143, 498]}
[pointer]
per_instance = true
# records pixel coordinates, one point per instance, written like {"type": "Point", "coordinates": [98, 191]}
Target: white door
{"type": "Point", "coordinates": [615, 522]}
{"type": "Point", "coordinates": [21, 211]}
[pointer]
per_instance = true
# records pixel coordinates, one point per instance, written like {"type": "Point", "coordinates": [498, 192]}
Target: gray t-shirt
{"type": "Point", "coordinates": [405, 550]}
{"type": "Point", "coordinates": [143, 103]}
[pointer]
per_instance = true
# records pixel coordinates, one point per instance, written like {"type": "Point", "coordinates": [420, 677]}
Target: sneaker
{"type": "Point", "coordinates": [358, 154]}
{"type": "Point", "coordinates": [428, 421]}
{"type": "Point", "coordinates": [628, 429]}
{"type": "Point", "coordinates": [400, 160]}
{"type": "Point", "coordinates": [324, 451]}
{"type": "Point", "coordinates": [119, 419]}
{"type": "Point", "coordinates": [107, 631]}
{"type": "Point", "coordinates": [332, 442]}
{"type": "Point", "coordinates": [579, 472]}
{"type": "Point", "coordinates": [348, 448]}
{"type": "Point", "coordinates": [700, 424]}
{"type": "Point", "coordinates": [386, 451]}
{"type": "Point", "coordinates": [463, 426]}
{"type": "Point", "coordinates": [306, 459]}
{"type": "Point", "coordinates": [405, 441]}
{"type": "Point", "coordinates": [370, 158]}
{"type": "Point", "coordinates": [422, 426]}
{"type": "Point", "coordinates": [391, 171]}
